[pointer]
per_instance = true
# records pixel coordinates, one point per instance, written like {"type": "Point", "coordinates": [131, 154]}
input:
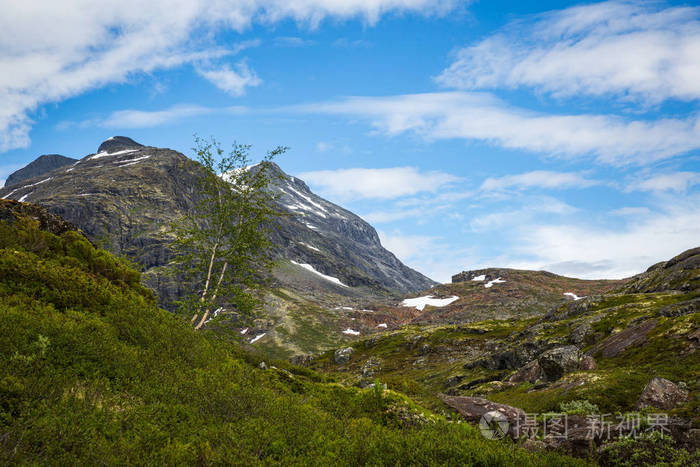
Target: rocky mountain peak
{"type": "Point", "coordinates": [118, 143]}
{"type": "Point", "coordinates": [39, 166]}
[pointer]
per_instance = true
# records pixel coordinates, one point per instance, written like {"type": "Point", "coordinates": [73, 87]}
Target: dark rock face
{"type": "Point", "coordinates": [527, 374]}
{"type": "Point", "coordinates": [617, 343]}
{"type": "Point", "coordinates": [125, 196]}
{"type": "Point", "coordinates": [39, 166]}
{"type": "Point", "coordinates": [660, 393]}
{"type": "Point", "coordinates": [118, 143]}
{"type": "Point", "coordinates": [559, 361]}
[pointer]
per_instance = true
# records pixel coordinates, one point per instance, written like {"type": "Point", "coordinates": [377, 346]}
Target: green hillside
{"type": "Point", "coordinates": [95, 374]}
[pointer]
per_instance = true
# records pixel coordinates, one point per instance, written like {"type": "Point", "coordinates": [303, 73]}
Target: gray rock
{"type": "Point", "coordinates": [529, 373]}
{"type": "Point", "coordinates": [370, 367]}
{"type": "Point", "coordinates": [559, 361]}
{"type": "Point", "coordinates": [341, 356]}
{"type": "Point", "coordinates": [617, 343]}
{"type": "Point", "coordinates": [38, 167]}
{"type": "Point", "coordinates": [579, 334]}
{"type": "Point", "coordinates": [587, 363]}
{"type": "Point", "coordinates": [473, 408]}
{"type": "Point", "coordinates": [660, 393]}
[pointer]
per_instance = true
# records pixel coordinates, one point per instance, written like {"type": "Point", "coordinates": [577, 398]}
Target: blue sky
{"type": "Point", "coordinates": [541, 135]}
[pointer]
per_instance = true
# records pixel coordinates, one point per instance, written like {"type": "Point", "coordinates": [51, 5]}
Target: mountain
{"type": "Point", "coordinates": [39, 166]}
{"type": "Point", "coordinates": [95, 374]}
{"type": "Point", "coordinates": [329, 260]}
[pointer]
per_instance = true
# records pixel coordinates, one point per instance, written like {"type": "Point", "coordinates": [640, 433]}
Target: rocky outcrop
{"type": "Point", "coordinates": [556, 362]}
{"type": "Point", "coordinates": [677, 274]}
{"type": "Point", "coordinates": [660, 393]}
{"type": "Point", "coordinates": [11, 211]}
{"type": "Point", "coordinates": [341, 356]}
{"type": "Point", "coordinates": [617, 343]}
{"type": "Point", "coordinates": [38, 167]}
{"type": "Point", "coordinates": [472, 409]}
{"type": "Point", "coordinates": [530, 373]}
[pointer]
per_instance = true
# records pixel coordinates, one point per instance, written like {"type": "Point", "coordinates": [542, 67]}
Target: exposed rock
{"type": "Point", "coordinates": [617, 343]}
{"type": "Point", "coordinates": [38, 167]}
{"type": "Point", "coordinates": [579, 334]}
{"type": "Point", "coordinates": [341, 356]}
{"type": "Point", "coordinates": [301, 360]}
{"type": "Point", "coordinates": [527, 374]}
{"type": "Point", "coordinates": [587, 363]}
{"type": "Point", "coordinates": [370, 367]}
{"type": "Point", "coordinates": [118, 143]}
{"type": "Point", "coordinates": [11, 210]}
{"type": "Point", "coordinates": [681, 309]}
{"type": "Point", "coordinates": [454, 380]}
{"type": "Point", "coordinates": [473, 408]}
{"type": "Point", "coordinates": [558, 361]}
{"type": "Point", "coordinates": [660, 393]}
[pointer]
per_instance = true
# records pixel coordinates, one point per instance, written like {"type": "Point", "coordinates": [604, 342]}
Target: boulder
{"type": "Point", "coordinates": [559, 361]}
{"type": "Point", "coordinates": [527, 374]}
{"type": "Point", "coordinates": [660, 393]}
{"type": "Point", "coordinates": [343, 355]}
{"type": "Point", "coordinates": [473, 408]}
{"type": "Point", "coordinates": [587, 363]}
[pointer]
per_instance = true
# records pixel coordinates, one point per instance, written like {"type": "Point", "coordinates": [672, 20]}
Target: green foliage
{"type": "Point", "coordinates": [101, 376]}
{"type": "Point", "coordinates": [652, 449]}
{"type": "Point", "coordinates": [578, 407]}
{"type": "Point", "coordinates": [223, 248]}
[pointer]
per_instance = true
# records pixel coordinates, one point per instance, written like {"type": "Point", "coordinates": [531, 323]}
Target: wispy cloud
{"type": "Point", "coordinates": [631, 49]}
{"type": "Point", "coordinates": [233, 81]}
{"type": "Point", "coordinates": [134, 118]}
{"type": "Point", "coordinates": [674, 181]}
{"type": "Point", "coordinates": [293, 41]}
{"type": "Point", "coordinates": [610, 139]}
{"type": "Point", "coordinates": [51, 51]}
{"type": "Point", "coordinates": [546, 179]}
{"type": "Point", "coordinates": [389, 183]}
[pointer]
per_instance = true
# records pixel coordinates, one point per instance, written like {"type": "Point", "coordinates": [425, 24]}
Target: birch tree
{"type": "Point", "coordinates": [222, 246]}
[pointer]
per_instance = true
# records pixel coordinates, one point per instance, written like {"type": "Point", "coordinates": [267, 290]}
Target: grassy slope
{"type": "Point", "coordinates": [420, 371]}
{"type": "Point", "coordinates": [95, 373]}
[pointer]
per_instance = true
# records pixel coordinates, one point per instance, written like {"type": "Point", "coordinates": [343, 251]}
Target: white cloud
{"type": "Point", "coordinates": [132, 118]}
{"type": "Point", "coordinates": [322, 146]}
{"type": "Point", "coordinates": [476, 116]}
{"type": "Point", "coordinates": [50, 51]}
{"type": "Point", "coordinates": [675, 181]}
{"type": "Point", "coordinates": [631, 49]}
{"type": "Point", "coordinates": [232, 81]}
{"type": "Point", "coordinates": [293, 41]}
{"type": "Point", "coordinates": [2, 182]}
{"type": "Point", "coordinates": [538, 179]}
{"type": "Point", "coordinates": [530, 210]}
{"type": "Point", "coordinates": [360, 183]}
{"type": "Point", "coordinates": [591, 252]}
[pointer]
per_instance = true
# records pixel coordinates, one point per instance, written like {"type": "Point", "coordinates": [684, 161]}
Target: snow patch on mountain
{"type": "Point", "coordinates": [351, 332]}
{"type": "Point", "coordinates": [495, 281]}
{"type": "Point", "coordinates": [573, 295]}
{"type": "Point", "coordinates": [419, 303]}
{"type": "Point", "coordinates": [310, 268]}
